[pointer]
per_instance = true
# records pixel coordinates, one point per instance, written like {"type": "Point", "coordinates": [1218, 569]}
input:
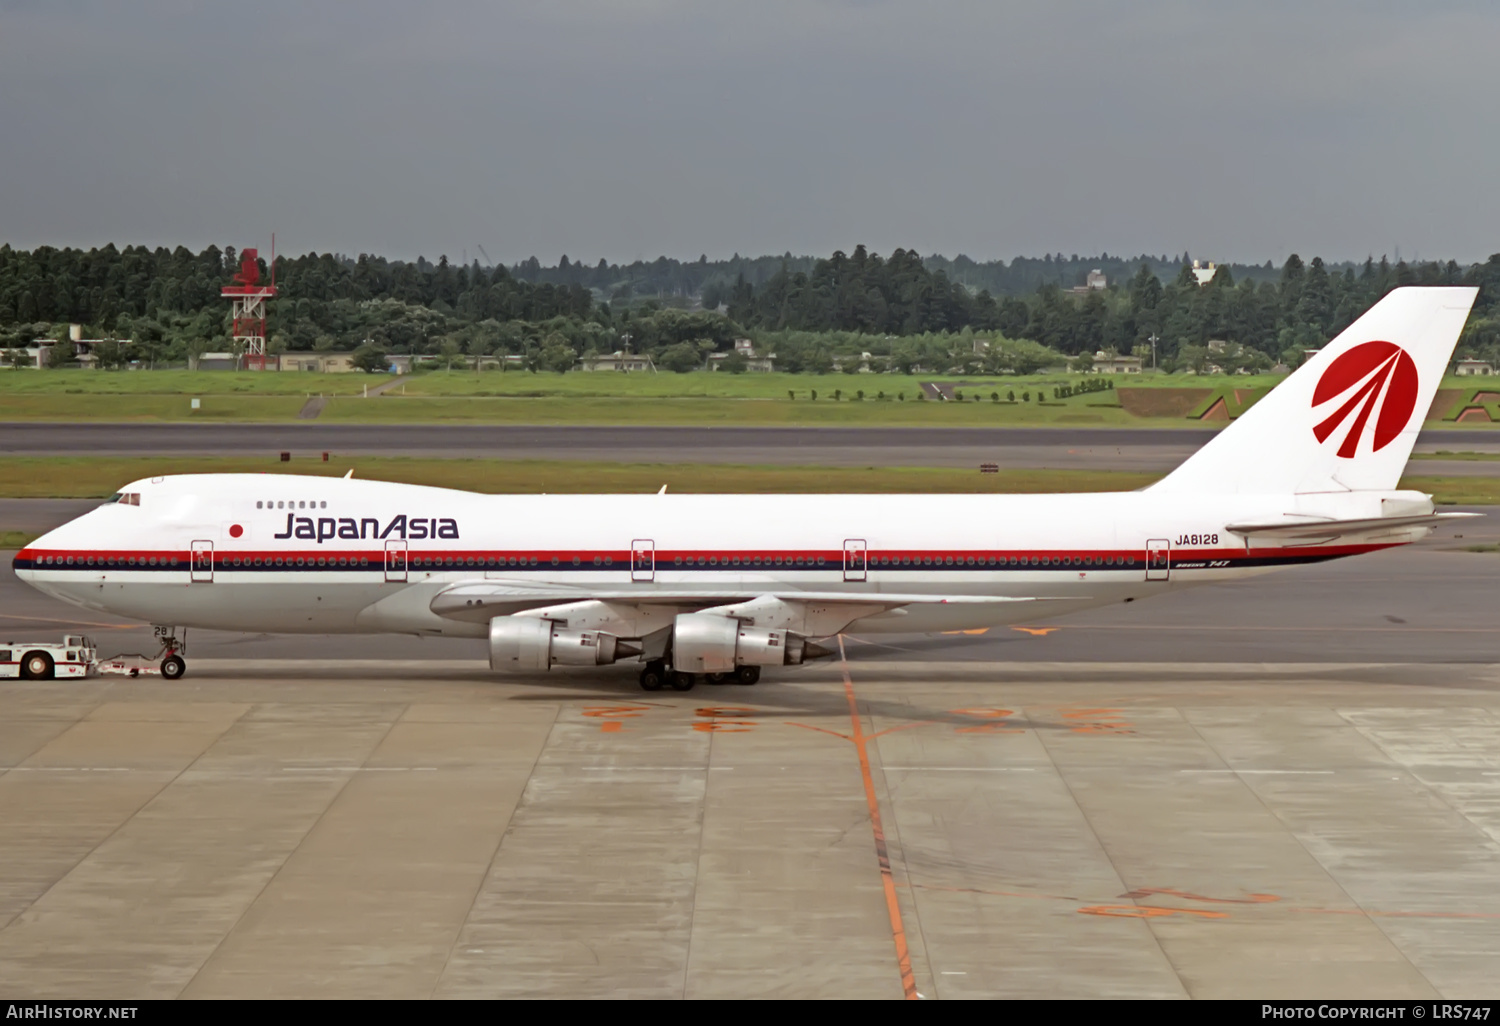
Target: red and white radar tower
{"type": "Point", "coordinates": [249, 298]}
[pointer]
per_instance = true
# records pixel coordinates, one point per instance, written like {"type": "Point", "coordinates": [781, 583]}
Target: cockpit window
{"type": "Point", "coordinates": [113, 498]}
{"type": "Point", "coordinates": [124, 499]}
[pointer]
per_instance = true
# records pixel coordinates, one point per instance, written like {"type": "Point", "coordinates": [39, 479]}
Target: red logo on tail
{"type": "Point", "coordinates": [1374, 376]}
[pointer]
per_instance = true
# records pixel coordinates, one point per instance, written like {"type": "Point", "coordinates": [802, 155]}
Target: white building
{"type": "Point", "coordinates": [619, 360]}
{"type": "Point", "coordinates": [1202, 274]}
{"type": "Point", "coordinates": [1113, 363]}
{"type": "Point", "coordinates": [83, 348]}
{"type": "Point", "coordinates": [1473, 368]}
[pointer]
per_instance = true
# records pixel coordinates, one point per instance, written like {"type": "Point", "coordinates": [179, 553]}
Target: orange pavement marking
{"type": "Point", "coordinates": [613, 714]}
{"type": "Point", "coordinates": [725, 719]}
{"type": "Point", "coordinates": [993, 721]}
{"type": "Point", "coordinates": [882, 853]}
{"type": "Point", "coordinates": [1148, 912]}
{"type": "Point", "coordinates": [1254, 899]}
{"type": "Point", "coordinates": [1036, 632]}
{"type": "Point", "coordinates": [1159, 911]}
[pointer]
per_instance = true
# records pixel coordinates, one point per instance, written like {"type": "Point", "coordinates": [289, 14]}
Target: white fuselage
{"type": "Point", "coordinates": [302, 554]}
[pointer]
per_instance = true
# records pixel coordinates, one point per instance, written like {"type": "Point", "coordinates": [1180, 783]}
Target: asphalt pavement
{"type": "Point", "coordinates": [1080, 448]}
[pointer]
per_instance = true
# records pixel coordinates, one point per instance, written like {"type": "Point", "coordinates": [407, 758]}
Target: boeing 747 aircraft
{"type": "Point", "coordinates": [718, 586]}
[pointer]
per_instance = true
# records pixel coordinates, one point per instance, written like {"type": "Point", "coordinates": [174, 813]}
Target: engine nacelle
{"type": "Point", "coordinates": [705, 643]}
{"type": "Point", "coordinates": [519, 643]}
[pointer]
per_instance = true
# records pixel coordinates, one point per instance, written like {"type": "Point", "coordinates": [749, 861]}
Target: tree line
{"type": "Point", "coordinates": [908, 311]}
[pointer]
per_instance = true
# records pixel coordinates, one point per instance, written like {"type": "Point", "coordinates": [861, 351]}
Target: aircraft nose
{"type": "Point", "coordinates": [26, 557]}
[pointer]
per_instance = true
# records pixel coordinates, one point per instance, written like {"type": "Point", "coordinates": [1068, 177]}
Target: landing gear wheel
{"type": "Point", "coordinates": [746, 674]}
{"type": "Point", "coordinates": [716, 678]}
{"type": "Point", "coordinates": [683, 681]}
{"type": "Point", "coordinates": [653, 678]}
{"type": "Point", "coordinates": [37, 666]}
{"type": "Point", "coordinates": [172, 667]}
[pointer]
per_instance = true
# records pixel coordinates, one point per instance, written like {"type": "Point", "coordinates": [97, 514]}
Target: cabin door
{"type": "Point", "coordinates": [1158, 559]}
{"type": "Point", "coordinates": [395, 560]}
{"type": "Point", "coordinates": [643, 560]}
{"type": "Point", "coordinates": [203, 562]}
{"type": "Point", "coordinates": [854, 559]}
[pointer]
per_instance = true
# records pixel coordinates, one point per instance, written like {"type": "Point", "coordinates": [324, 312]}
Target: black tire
{"type": "Point", "coordinates": [652, 679]}
{"type": "Point", "coordinates": [747, 674]}
{"type": "Point", "coordinates": [683, 681]}
{"type": "Point", "coordinates": [172, 667]}
{"type": "Point", "coordinates": [37, 666]}
{"type": "Point", "coordinates": [716, 678]}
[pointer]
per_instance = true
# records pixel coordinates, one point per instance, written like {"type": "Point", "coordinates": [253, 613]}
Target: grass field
{"type": "Point", "coordinates": [250, 409]}
{"type": "Point", "coordinates": [91, 476]}
{"type": "Point", "coordinates": [1445, 454]}
{"type": "Point", "coordinates": [689, 411]}
{"type": "Point", "coordinates": [543, 384]}
{"type": "Point", "coordinates": [701, 398]}
{"type": "Point", "coordinates": [180, 383]}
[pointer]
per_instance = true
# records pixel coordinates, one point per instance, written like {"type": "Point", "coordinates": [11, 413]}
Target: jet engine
{"type": "Point", "coordinates": [519, 643]}
{"type": "Point", "coordinates": [705, 643]}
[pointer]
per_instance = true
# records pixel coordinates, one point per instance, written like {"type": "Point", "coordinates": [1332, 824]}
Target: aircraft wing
{"type": "Point", "coordinates": [479, 601]}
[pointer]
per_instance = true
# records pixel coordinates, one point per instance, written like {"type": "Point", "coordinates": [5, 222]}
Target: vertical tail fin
{"type": "Point", "coordinates": [1347, 419]}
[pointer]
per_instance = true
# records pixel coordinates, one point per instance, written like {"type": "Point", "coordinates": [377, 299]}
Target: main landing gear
{"type": "Point", "coordinates": [658, 675]}
{"type": "Point", "coordinates": [172, 664]}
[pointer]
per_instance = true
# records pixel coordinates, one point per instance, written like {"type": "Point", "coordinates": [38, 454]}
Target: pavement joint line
{"type": "Point", "coordinates": [1109, 856]}
{"type": "Point", "coordinates": [965, 769]}
{"type": "Point", "coordinates": [628, 768]}
{"type": "Point", "coordinates": [489, 868]}
{"type": "Point", "coordinates": [1261, 772]}
{"type": "Point", "coordinates": [85, 769]}
{"type": "Point", "coordinates": [1298, 837]}
{"type": "Point", "coordinates": [701, 821]}
{"type": "Point", "coordinates": [121, 824]}
{"type": "Point", "coordinates": [275, 874]}
{"type": "Point", "coordinates": [1374, 737]}
{"type": "Point", "coordinates": [358, 769]}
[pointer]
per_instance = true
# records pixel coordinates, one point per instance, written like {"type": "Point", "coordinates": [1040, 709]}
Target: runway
{"type": "Point", "coordinates": [1137, 449]}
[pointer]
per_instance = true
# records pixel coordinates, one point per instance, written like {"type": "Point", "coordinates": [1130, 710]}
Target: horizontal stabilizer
{"type": "Point", "coordinates": [1306, 530]}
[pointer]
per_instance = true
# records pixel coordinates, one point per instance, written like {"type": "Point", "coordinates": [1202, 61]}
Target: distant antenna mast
{"type": "Point", "coordinates": [485, 255]}
{"type": "Point", "coordinates": [248, 297]}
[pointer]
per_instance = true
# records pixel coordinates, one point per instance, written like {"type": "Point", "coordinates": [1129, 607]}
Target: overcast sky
{"type": "Point", "coordinates": [635, 128]}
